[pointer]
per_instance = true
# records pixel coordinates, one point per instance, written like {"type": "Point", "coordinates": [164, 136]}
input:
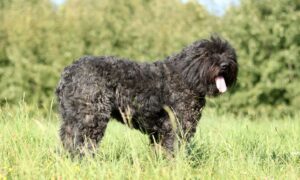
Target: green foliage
{"type": "Point", "coordinates": [223, 148]}
{"type": "Point", "coordinates": [38, 39]}
{"type": "Point", "coordinates": [266, 35]}
{"type": "Point", "coordinates": [28, 51]}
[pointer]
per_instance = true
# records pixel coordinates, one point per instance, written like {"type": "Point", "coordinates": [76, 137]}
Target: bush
{"type": "Point", "coordinates": [267, 37]}
{"type": "Point", "coordinates": [38, 39]}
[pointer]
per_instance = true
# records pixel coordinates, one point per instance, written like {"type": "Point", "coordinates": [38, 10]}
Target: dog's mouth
{"type": "Point", "coordinates": [221, 84]}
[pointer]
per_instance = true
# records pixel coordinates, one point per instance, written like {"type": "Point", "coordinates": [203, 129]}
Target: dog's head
{"type": "Point", "coordinates": [210, 66]}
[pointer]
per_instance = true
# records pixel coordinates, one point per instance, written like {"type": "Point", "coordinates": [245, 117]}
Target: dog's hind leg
{"type": "Point", "coordinates": [84, 132]}
{"type": "Point", "coordinates": [84, 123]}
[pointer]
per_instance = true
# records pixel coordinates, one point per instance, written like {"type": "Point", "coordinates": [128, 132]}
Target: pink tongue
{"type": "Point", "coordinates": [221, 85]}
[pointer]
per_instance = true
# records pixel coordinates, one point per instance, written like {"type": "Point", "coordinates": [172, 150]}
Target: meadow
{"type": "Point", "coordinates": [260, 141]}
{"type": "Point", "coordinates": [225, 147]}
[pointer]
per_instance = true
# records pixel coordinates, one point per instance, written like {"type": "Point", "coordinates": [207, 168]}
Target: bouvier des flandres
{"type": "Point", "coordinates": [95, 89]}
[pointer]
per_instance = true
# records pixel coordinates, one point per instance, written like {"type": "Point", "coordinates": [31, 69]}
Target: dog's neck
{"type": "Point", "coordinates": [176, 68]}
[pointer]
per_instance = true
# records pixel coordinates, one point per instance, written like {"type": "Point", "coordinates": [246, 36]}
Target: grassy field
{"type": "Point", "coordinates": [223, 148]}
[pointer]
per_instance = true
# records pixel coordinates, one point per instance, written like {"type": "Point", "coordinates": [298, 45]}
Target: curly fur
{"type": "Point", "coordinates": [93, 90]}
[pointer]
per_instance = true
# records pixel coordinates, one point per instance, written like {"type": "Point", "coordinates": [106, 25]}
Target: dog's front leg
{"type": "Point", "coordinates": [168, 141]}
{"type": "Point", "coordinates": [188, 118]}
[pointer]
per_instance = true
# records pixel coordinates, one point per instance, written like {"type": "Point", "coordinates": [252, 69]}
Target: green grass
{"type": "Point", "coordinates": [223, 148]}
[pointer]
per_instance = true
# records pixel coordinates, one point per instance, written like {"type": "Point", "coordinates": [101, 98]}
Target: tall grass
{"type": "Point", "coordinates": [224, 147]}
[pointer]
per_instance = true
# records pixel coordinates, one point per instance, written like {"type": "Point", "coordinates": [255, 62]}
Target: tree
{"type": "Point", "coordinates": [267, 37]}
{"type": "Point", "coordinates": [38, 40]}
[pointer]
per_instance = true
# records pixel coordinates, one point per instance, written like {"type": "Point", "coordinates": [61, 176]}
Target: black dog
{"type": "Point", "coordinates": [95, 89]}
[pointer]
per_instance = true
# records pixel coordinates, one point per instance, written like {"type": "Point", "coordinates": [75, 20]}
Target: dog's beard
{"type": "Point", "coordinates": [221, 84]}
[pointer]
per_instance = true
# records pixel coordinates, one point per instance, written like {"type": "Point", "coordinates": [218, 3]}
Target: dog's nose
{"type": "Point", "coordinates": [224, 65]}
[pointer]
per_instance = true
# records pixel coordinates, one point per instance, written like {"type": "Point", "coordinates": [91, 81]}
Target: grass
{"type": "Point", "coordinates": [224, 147]}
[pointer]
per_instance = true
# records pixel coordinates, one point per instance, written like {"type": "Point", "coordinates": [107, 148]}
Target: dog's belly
{"type": "Point", "coordinates": [147, 118]}
{"type": "Point", "coordinates": [149, 122]}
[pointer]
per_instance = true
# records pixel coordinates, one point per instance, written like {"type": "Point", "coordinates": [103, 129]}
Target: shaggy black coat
{"type": "Point", "coordinates": [93, 90]}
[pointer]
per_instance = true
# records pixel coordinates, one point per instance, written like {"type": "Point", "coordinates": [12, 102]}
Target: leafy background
{"type": "Point", "coordinates": [38, 39]}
